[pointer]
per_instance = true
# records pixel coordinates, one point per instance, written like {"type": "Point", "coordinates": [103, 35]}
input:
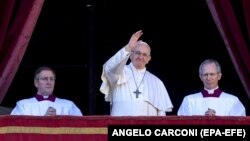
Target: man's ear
{"type": "Point", "coordinates": [149, 59]}
{"type": "Point", "coordinates": [35, 83]}
{"type": "Point", "coordinates": [219, 75]}
{"type": "Point", "coordinates": [200, 77]}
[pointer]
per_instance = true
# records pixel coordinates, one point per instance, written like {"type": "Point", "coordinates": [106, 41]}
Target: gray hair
{"type": "Point", "coordinates": [40, 69]}
{"type": "Point", "coordinates": [145, 44]}
{"type": "Point", "coordinates": [210, 61]}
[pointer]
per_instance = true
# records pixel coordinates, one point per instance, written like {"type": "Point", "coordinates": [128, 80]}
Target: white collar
{"type": "Point", "coordinates": [137, 70]}
{"type": "Point", "coordinates": [211, 91]}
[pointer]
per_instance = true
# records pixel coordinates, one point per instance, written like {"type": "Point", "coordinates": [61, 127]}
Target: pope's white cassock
{"type": "Point", "coordinates": [32, 106]}
{"type": "Point", "coordinates": [120, 81]}
{"type": "Point", "coordinates": [224, 105]}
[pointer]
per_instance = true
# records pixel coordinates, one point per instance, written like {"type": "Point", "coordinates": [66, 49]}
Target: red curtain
{"type": "Point", "coordinates": [246, 5]}
{"type": "Point", "coordinates": [17, 21]}
{"type": "Point", "coordinates": [225, 18]}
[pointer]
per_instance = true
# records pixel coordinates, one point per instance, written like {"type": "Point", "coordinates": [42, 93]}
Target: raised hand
{"type": "Point", "coordinates": [133, 40]}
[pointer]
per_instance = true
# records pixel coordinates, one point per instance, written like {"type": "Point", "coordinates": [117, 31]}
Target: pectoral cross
{"type": "Point", "coordinates": [137, 92]}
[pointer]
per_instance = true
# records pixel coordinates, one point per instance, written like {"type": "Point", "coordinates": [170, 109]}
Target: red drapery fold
{"type": "Point", "coordinates": [95, 128]}
{"type": "Point", "coordinates": [18, 19]}
{"type": "Point", "coordinates": [228, 26]}
{"type": "Point", "coordinates": [246, 5]}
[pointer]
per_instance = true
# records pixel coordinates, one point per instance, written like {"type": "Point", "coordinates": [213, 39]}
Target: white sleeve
{"type": "Point", "coordinates": [74, 110]}
{"type": "Point", "coordinates": [161, 113]}
{"type": "Point", "coordinates": [184, 108]}
{"type": "Point", "coordinates": [18, 110]}
{"type": "Point", "coordinates": [238, 109]}
{"type": "Point", "coordinates": [112, 72]}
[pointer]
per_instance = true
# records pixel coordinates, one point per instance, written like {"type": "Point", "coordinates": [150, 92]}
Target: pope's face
{"type": "Point", "coordinates": [140, 56]}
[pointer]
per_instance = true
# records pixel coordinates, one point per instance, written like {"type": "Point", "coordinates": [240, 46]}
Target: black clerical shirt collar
{"type": "Point", "coordinates": [41, 98]}
{"type": "Point", "coordinates": [217, 93]}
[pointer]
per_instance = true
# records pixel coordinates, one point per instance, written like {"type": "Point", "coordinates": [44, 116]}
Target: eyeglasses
{"type": "Point", "coordinates": [47, 78]}
{"type": "Point", "coordinates": [138, 53]}
{"type": "Point", "coordinates": [209, 74]}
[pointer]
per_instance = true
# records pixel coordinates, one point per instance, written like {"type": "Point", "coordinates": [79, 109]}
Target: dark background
{"type": "Point", "coordinates": [77, 37]}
